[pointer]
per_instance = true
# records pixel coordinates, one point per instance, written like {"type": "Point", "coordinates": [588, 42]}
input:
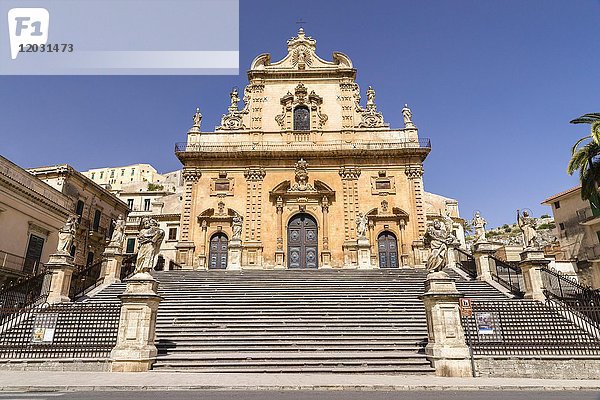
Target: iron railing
{"type": "Point", "coordinates": [270, 147]}
{"type": "Point", "coordinates": [72, 330]}
{"type": "Point", "coordinates": [526, 328]}
{"type": "Point", "coordinates": [466, 262]}
{"type": "Point", "coordinates": [84, 279]}
{"type": "Point", "coordinates": [508, 275]}
{"type": "Point", "coordinates": [572, 294]}
{"type": "Point", "coordinates": [25, 292]}
{"type": "Point", "coordinates": [20, 265]}
{"type": "Point", "coordinates": [128, 266]}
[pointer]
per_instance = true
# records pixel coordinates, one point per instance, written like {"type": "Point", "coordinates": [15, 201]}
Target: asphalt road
{"type": "Point", "coordinates": [305, 395]}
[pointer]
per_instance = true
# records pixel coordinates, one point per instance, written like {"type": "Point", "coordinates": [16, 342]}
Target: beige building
{"type": "Point", "coordinates": [439, 207]}
{"type": "Point", "coordinates": [301, 162]}
{"type": "Point", "coordinates": [31, 213]}
{"type": "Point", "coordinates": [578, 231]}
{"type": "Point", "coordinates": [114, 177]}
{"type": "Point", "coordinates": [96, 207]}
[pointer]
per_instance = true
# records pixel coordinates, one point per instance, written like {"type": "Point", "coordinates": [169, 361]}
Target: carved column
{"type": "Point", "coordinates": [325, 254]}
{"type": "Point", "coordinates": [279, 252]}
{"type": "Point", "coordinates": [185, 246]}
{"type": "Point", "coordinates": [253, 216]}
{"type": "Point", "coordinates": [203, 256]}
{"type": "Point", "coordinates": [415, 176]}
{"type": "Point", "coordinates": [256, 107]}
{"type": "Point", "coordinates": [347, 100]}
{"type": "Point", "coordinates": [349, 177]}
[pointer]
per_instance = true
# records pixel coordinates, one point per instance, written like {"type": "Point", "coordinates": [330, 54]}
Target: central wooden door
{"type": "Point", "coordinates": [218, 251]}
{"type": "Point", "coordinates": [302, 242]}
{"type": "Point", "coordinates": [388, 250]}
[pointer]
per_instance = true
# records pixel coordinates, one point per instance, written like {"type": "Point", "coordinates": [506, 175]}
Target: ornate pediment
{"type": "Point", "coordinates": [301, 97]}
{"type": "Point", "coordinates": [234, 119]}
{"type": "Point", "coordinates": [369, 116]}
{"type": "Point", "coordinates": [301, 56]}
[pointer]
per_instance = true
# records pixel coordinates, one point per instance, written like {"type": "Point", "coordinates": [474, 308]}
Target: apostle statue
{"type": "Point", "coordinates": [236, 226]}
{"type": "Point", "coordinates": [197, 118]}
{"type": "Point", "coordinates": [527, 225]}
{"type": "Point", "coordinates": [361, 225]}
{"type": "Point", "coordinates": [118, 234]}
{"type": "Point", "coordinates": [370, 96]}
{"type": "Point", "coordinates": [235, 99]}
{"type": "Point", "coordinates": [149, 241]}
{"type": "Point", "coordinates": [66, 235]}
{"type": "Point", "coordinates": [479, 224]}
{"type": "Point", "coordinates": [407, 115]}
{"type": "Point", "coordinates": [438, 240]}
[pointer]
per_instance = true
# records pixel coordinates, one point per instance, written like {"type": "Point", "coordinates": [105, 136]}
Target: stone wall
{"type": "Point", "coordinates": [55, 365]}
{"type": "Point", "coordinates": [538, 367]}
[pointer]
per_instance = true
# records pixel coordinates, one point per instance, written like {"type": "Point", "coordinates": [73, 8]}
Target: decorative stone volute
{"type": "Point", "coordinates": [255, 174]}
{"type": "Point", "coordinates": [349, 173]}
{"type": "Point", "coordinates": [414, 171]}
{"type": "Point", "coordinates": [191, 174]}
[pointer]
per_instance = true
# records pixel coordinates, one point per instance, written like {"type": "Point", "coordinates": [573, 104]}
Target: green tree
{"type": "Point", "coordinates": [585, 157]}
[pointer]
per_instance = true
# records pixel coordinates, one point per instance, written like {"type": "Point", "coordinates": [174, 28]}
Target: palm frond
{"type": "Point", "coordinates": [586, 119]}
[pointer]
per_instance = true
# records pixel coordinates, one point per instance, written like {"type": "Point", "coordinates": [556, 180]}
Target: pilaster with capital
{"type": "Point", "coordinates": [325, 253]}
{"type": "Point", "coordinates": [415, 176]}
{"type": "Point", "coordinates": [185, 246]}
{"type": "Point", "coordinates": [252, 249]}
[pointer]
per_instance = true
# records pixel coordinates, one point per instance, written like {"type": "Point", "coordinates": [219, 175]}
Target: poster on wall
{"type": "Point", "coordinates": [488, 326]}
{"type": "Point", "coordinates": [44, 328]}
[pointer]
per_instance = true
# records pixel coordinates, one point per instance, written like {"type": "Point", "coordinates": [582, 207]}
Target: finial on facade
{"type": "Point", "coordinates": [407, 114]}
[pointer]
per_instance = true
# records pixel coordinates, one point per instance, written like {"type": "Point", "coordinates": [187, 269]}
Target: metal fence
{"type": "Point", "coordinates": [508, 275]}
{"type": "Point", "coordinates": [25, 292]}
{"type": "Point", "coordinates": [84, 279]}
{"type": "Point", "coordinates": [572, 294]}
{"type": "Point", "coordinates": [73, 330]}
{"type": "Point", "coordinates": [466, 262]}
{"type": "Point", "coordinates": [20, 265]}
{"type": "Point", "coordinates": [525, 328]}
{"type": "Point", "coordinates": [128, 266]}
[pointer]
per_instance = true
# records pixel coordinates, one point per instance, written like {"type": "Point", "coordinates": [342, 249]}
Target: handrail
{"type": "Point", "coordinates": [572, 294]}
{"type": "Point", "coordinates": [508, 275]}
{"type": "Point", "coordinates": [26, 293]}
{"type": "Point", "coordinates": [128, 266]}
{"type": "Point", "coordinates": [85, 278]}
{"type": "Point", "coordinates": [466, 262]}
{"type": "Point", "coordinates": [20, 265]}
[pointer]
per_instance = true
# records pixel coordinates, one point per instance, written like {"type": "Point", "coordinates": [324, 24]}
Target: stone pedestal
{"type": "Point", "coordinates": [111, 265]}
{"type": "Point", "coordinates": [446, 348]}
{"type": "Point", "coordinates": [452, 255]}
{"type": "Point", "coordinates": [61, 267]}
{"type": "Point", "coordinates": [482, 252]}
{"type": "Point", "coordinates": [135, 350]}
{"type": "Point", "coordinates": [531, 264]}
{"type": "Point", "coordinates": [279, 259]}
{"type": "Point", "coordinates": [325, 259]}
{"type": "Point", "coordinates": [364, 253]}
{"type": "Point", "coordinates": [234, 255]}
{"type": "Point", "coordinates": [185, 254]}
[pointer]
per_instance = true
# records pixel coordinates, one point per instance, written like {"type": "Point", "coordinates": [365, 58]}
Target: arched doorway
{"type": "Point", "coordinates": [218, 251]}
{"type": "Point", "coordinates": [387, 247]}
{"type": "Point", "coordinates": [302, 242]}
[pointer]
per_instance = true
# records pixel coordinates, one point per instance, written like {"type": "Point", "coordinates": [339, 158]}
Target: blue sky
{"type": "Point", "coordinates": [492, 83]}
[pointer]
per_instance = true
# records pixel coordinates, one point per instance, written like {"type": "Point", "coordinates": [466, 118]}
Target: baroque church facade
{"type": "Point", "coordinates": [302, 175]}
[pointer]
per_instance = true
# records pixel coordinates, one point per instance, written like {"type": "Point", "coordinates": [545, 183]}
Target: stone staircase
{"type": "Point", "coordinates": [294, 321]}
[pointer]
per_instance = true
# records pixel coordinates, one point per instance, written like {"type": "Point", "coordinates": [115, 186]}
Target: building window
{"type": "Point", "coordinates": [172, 233]}
{"type": "Point", "coordinates": [130, 204]}
{"type": "Point", "coordinates": [112, 173]}
{"type": "Point", "coordinates": [382, 184]}
{"type": "Point", "coordinates": [93, 175]}
{"type": "Point", "coordinates": [132, 171]}
{"type": "Point", "coordinates": [122, 172]}
{"type": "Point", "coordinates": [90, 258]}
{"type": "Point", "coordinates": [79, 210]}
{"type": "Point", "coordinates": [222, 186]}
{"type": "Point", "coordinates": [97, 216]}
{"type": "Point", "coordinates": [556, 205]}
{"type": "Point", "coordinates": [146, 204]}
{"type": "Point", "coordinates": [73, 250]}
{"type": "Point", "coordinates": [301, 118]}
{"type": "Point", "coordinates": [33, 254]}
{"type": "Point", "coordinates": [562, 226]}
{"type": "Point", "coordinates": [101, 174]}
{"type": "Point", "coordinates": [130, 246]}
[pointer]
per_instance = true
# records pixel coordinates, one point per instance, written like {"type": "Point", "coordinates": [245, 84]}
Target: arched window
{"type": "Point", "coordinates": [301, 118]}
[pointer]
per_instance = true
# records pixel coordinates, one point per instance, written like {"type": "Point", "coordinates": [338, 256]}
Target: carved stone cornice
{"type": "Point", "coordinates": [414, 171]}
{"type": "Point", "coordinates": [255, 174]}
{"type": "Point", "coordinates": [349, 173]}
{"type": "Point", "coordinates": [191, 174]}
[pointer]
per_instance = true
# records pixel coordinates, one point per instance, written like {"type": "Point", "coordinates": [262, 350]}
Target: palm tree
{"type": "Point", "coordinates": [585, 158]}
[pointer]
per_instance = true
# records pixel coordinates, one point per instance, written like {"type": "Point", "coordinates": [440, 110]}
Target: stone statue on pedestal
{"type": "Point", "coordinates": [527, 225]}
{"type": "Point", "coordinates": [116, 240]}
{"type": "Point", "coordinates": [66, 235]}
{"type": "Point", "coordinates": [479, 224]}
{"type": "Point", "coordinates": [236, 226]}
{"type": "Point", "coordinates": [149, 241]}
{"type": "Point", "coordinates": [361, 225]}
{"type": "Point", "coordinates": [235, 99]}
{"type": "Point", "coordinates": [438, 240]}
{"type": "Point", "coordinates": [407, 115]}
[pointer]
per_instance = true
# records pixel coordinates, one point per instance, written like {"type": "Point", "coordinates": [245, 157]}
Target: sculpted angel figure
{"type": "Point", "coordinates": [149, 241]}
{"type": "Point", "coordinates": [66, 235]}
